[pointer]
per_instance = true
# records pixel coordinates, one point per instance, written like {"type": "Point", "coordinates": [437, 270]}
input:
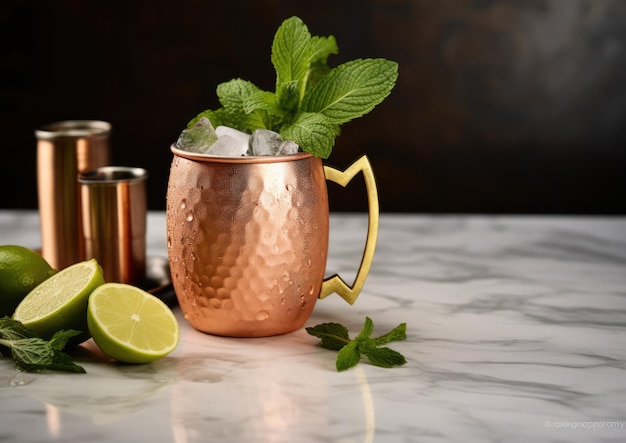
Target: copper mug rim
{"type": "Point", "coordinates": [196, 156]}
{"type": "Point", "coordinates": [113, 175]}
{"type": "Point", "coordinates": [73, 128]}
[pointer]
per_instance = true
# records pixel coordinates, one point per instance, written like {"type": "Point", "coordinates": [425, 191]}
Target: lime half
{"type": "Point", "coordinates": [60, 302]}
{"type": "Point", "coordinates": [131, 325]}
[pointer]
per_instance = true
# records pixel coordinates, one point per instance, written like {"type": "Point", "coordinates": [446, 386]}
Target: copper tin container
{"type": "Point", "coordinates": [65, 149]}
{"type": "Point", "coordinates": [114, 211]}
{"type": "Point", "coordinates": [248, 241]}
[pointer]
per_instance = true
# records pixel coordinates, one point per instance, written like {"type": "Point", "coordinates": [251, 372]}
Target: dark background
{"type": "Point", "coordinates": [500, 106]}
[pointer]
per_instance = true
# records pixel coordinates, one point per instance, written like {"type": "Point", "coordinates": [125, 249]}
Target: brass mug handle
{"type": "Point", "coordinates": [336, 283]}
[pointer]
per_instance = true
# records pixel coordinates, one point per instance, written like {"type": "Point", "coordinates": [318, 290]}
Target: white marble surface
{"type": "Point", "coordinates": [516, 333]}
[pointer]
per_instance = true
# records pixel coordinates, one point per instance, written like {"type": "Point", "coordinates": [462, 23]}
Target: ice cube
{"type": "Point", "coordinates": [288, 147]}
{"type": "Point", "coordinates": [234, 133]}
{"type": "Point", "coordinates": [229, 146]}
{"type": "Point", "coordinates": [197, 138]}
{"type": "Point", "coordinates": [265, 142]}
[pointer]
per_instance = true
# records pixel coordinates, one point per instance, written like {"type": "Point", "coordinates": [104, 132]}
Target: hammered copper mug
{"type": "Point", "coordinates": [247, 240]}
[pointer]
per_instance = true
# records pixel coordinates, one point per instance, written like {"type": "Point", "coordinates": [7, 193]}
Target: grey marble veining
{"type": "Point", "coordinates": [516, 333]}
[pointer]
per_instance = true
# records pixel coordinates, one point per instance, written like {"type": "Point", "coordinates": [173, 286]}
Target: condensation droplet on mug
{"type": "Point", "coordinates": [308, 262]}
{"type": "Point", "coordinates": [283, 301]}
{"type": "Point", "coordinates": [289, 187]}
{"type": "Point", "coordinates": [262, 315]}
{"type": "Point", "coordinates": [183, 205]}
{"type": "Point", "coordinates": [189, 216]}
{"type": "Point", "coordinates": [311, 289]}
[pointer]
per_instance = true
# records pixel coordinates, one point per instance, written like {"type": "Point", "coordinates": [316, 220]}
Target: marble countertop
{"type": "Point", "coordinates": [516, 333]}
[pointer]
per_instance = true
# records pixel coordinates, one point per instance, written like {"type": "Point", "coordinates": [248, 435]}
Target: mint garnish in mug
{"type": "Point", "coordinates": [310, 103]}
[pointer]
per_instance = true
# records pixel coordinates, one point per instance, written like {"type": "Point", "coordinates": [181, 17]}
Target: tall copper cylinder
{"type": "Point", "coordinates": [247, 240]}
{"type": "Point", "coordinates": [114, 211]}
{"type": "Point", "coordinates": [64, 149]}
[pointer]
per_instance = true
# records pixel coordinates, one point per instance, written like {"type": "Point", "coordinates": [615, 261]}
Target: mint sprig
{"type": "Point", "coordinates": [311, 100]}
{"type": "Point", "coordinates": [336, 337]}
{"type": "Point", "coordinates": [32, 353]}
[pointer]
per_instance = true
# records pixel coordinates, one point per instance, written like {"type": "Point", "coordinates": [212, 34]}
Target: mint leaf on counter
{"type": "Point", "coordinates": [336, 337]}
{"type": "Point", "coordinates": [397, 333]}
{"type": "Point", "coordinates": [32, 353]}
{"type": "Point", "coordinates": [348, 356]}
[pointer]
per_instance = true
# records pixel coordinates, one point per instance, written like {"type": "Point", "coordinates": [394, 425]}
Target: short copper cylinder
{"type": "Point", "coordinates": [247, 241]}
{"type": "Point", "coordinates": [114, 211]}
{"type": "Point", "coordinates": [65, 149]}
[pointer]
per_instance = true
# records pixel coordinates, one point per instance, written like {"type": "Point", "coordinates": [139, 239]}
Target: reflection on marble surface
{"type": "Point", "coordinates": [516, 332]}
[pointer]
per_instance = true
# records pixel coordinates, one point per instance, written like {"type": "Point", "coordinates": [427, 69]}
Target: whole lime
{"type": "Point", "coordinates": [21, 270]}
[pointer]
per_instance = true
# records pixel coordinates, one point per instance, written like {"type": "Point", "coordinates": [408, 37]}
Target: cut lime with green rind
{"type": "Point", "coordinates": [60, 302]}
{"type": "Point", "coordinates": [130, 325]}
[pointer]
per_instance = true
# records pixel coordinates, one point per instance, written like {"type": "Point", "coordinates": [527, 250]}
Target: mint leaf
{"type": "Point", "coordinates": [36, 354]}
{"type": "Point", "coordinates": [352, 89]}
{"type": "Point", "coordinates": [233, 96]}
{"type": "Point", "coordinates": [336, 337]}
{"type": "Point", "coordinates": [321, 47]}
{"type": "Point", "coordinates": [32, 353]}
{"type": "Point", "coordinates": [368, 329]}
{"type": "Point", "coordinates": [291, 54]}
{"type": "Point", "coordinates": [310, 99]}
{"type": "Point", "coordinates": [383, 357]}
{"type": "Point", "coordinates": [217, 118]}
{"type": "Point", "coordinates": [262, 100]}
{"type": "Point", "coordinates": [14, 330]}
{"type": "Point", "coordinates": [63, 362]}
{"type": "Point", "coordinates": [60, 338]}
{"type": "Point", "coordinates": [313, 132]}
{"type": "Point", "coordinates": [397, 333]}
{"type": "Point", "coordinates": [348, 356]}
{"type": "Point", "coordinates": [289, 96]}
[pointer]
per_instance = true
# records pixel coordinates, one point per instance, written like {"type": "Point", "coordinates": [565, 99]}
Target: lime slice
{"type": "Point", "coordinates": [60, 302]}
{"type": "Point", "coordinates": [131, 325]}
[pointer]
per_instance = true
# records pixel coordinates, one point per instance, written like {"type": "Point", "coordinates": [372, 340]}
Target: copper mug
{"type": "Point", "coordinates": [65, 149]}
{"type": "Point", "coordinates": [247, 240]}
